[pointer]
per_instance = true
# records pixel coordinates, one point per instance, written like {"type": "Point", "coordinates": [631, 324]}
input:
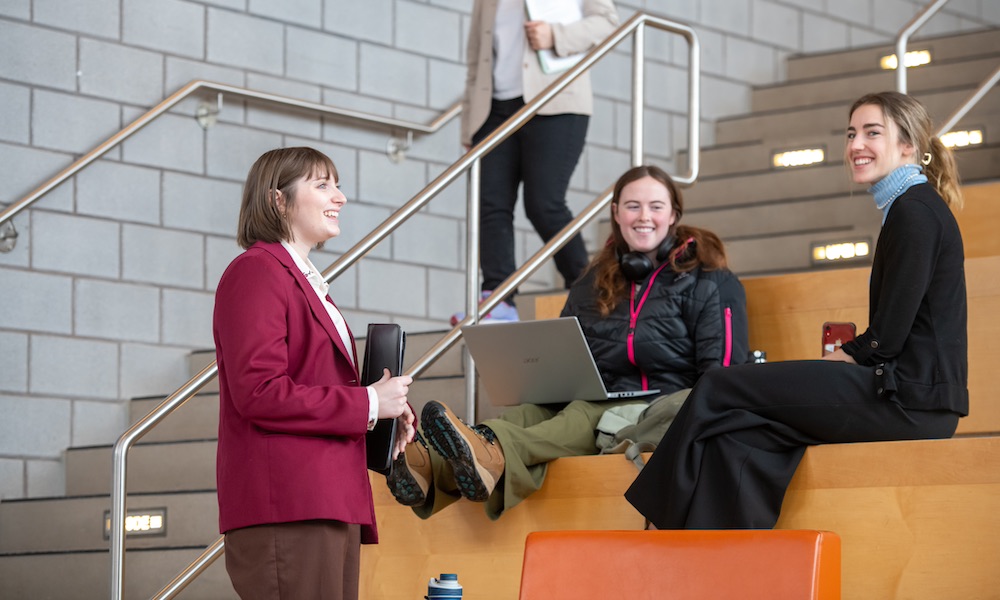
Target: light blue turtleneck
{"type": "Point", "coordinates": [892, 186]}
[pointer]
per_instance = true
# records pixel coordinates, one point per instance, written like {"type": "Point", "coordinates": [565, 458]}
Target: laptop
{"type": "Point", "coordinates": [538, 362]}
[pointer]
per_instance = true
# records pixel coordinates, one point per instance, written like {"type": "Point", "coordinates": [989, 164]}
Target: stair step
{"type": "Point", "coordinates": [417, 344]}
{"type": "Point", "coordinates": [788, 252]}
{"type": "Point", "coordinates": [196, 419]}
{"type": "Point", "coordinates": [449, 364]}
{"type": "Point", "coordinates": [769, 225]}
{"type": "Point", "coordinates": [943, 48]}
{"type": "Point", "coordinates": [774, 245]}
{"type": "Point", "coordinates": [822, 180]}
{"type": "Point", "coordinates": [829, 216]}
{"type": "Point", "coordinates": [76, 524]}
{"type": "Point", "coordinates": [743, 158]}
{"type": "Point", "coordinates": [826, 119]}
{"type": "Point", "coordinates": [56, 576]}
{"type": "Point", "coordinates": [846, 89]}
{"type": "Point", "coordinates": [197, 361]}
{"type": "Point", "coordinates": [766, 187]}
{"type": "Point", "coordinates": [188, 463]}
{"type": "Point", "coordinates": [152, 467]}
{"type": "Point", "coordinates": [746, 158]}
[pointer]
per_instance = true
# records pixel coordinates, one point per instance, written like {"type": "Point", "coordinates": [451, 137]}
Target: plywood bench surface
{"type": "Point", "coordinates": [918, 520]}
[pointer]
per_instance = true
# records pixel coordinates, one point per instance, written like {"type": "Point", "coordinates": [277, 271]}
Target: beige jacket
{"type": "Point", "coordinates": [600, 17]}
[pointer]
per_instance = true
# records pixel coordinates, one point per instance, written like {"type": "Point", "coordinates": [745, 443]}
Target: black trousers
{"type": "Point", "coordinates": [542, 155]}
{"type": "Point", "coordinates": [729, 455]}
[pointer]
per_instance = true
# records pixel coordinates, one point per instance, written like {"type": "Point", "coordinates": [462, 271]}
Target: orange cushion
{"type": "Point", "coordinates": [682, 565]}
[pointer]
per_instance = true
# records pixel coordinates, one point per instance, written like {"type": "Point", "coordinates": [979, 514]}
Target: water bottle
{"type": "Point", "coordinates": [445, 587]}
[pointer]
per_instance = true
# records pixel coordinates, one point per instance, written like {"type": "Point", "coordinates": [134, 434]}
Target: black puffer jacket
{"type": "Point", "coordinates": [689, 323]}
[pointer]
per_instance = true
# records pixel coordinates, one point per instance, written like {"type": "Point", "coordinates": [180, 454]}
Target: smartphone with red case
{"type": "Point", "coordinates": [836, 334]}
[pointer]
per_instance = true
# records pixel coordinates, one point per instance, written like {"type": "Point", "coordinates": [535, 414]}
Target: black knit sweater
{"type": "Point", "coordinates": [918, 318]}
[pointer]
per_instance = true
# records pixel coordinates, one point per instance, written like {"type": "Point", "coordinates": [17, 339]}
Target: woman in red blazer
{"type": "Point", "coordinates": [294, 498]}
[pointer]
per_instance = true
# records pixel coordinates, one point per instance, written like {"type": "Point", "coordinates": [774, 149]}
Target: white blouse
{"type": "Point", "coordinates": [322, 289]}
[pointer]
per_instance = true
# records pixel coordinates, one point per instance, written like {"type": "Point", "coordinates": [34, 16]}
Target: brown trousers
{"type": "Point", "coordinates": [305, 560]}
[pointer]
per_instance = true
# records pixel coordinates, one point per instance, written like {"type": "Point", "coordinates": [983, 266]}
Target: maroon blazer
{"type": "Point", "coordinates": [292, 414]}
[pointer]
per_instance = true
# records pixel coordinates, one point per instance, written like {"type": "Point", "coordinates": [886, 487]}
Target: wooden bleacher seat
{"type": "Point", "coordinates": [917, 519]}
{"type": "Point", "coordinates": [682, 565]}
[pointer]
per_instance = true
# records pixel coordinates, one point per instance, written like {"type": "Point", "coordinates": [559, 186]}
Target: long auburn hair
{"type": "Point", "coordinates": [693, 247]}
{"type": "Point", "coordinates": [915, 128]}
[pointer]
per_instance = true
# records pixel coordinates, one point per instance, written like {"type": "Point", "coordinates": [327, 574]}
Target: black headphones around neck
{"type": "Point", "coordinates": [636, 266]}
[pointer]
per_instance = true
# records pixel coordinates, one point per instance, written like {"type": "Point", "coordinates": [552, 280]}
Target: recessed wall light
{"type": "Point", "coordinates": [961, 139]}
{"type": "Point", "coordinates": [914, 58]}
{"type": "Point", "coordinates": [824, 253]}
{"type": "Point", "coordinates": [150, 521]}
{"type": "Point", "coordinates": [798, 158]}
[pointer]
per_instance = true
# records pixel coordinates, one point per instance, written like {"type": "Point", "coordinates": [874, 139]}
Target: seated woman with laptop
{"type": "Point", "coordinates": [658, 308]}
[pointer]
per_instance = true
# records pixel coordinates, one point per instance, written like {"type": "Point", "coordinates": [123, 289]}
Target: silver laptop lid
{"type": "Point", "coordinates": [534, 362]}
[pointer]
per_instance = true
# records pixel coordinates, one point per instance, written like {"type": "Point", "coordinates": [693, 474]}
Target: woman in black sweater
{"type": "Point", "coordinates": [728, 457]}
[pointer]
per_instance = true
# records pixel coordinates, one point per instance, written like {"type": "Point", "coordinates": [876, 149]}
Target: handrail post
{"type": "Point", "coordinates": [120, 471]}
{"type": "Point", "coordinates": [694, 108]}
{"type": "Point", "coordinates": [118, 500]}
{"type": "Point", "coordinates": [638, 93]}
{"type": "Point", "coordinates": [904, 36]}
{"type": "Point", "coordinates": [472, 281]}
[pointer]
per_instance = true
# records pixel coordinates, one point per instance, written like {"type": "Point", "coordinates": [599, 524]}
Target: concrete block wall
{"type": "Point", "coordinates": [112, 279]}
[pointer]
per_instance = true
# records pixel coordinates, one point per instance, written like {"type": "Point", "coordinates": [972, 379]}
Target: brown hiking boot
{"type": "Point", "coordinates": [473, 453]}
{"type": "Point", "coordinates": [410, 475]}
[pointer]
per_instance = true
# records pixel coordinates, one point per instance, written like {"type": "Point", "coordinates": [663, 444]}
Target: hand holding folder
{"type": "Point", "coordinates": [384, 349]}
{"type": "Point", "coordinates": [555, 11]}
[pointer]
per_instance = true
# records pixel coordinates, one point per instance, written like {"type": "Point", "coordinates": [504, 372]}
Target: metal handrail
{"type": "Point", "coordinates": [221, 88]}
{"type": "Point", "coordinates": [971, 101]}
{"type": "Point", "coordinates": [468, 161]}
{"type": "Point", "coordinates": [185, 577]}
{"type": "Point", "coordinates": [903, 38]}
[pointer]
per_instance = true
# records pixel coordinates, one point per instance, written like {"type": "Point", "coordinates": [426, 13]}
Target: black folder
{"type": "Point", "coordinates": [383, 350]}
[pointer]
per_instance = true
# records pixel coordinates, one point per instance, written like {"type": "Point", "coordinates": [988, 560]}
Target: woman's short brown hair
{"type": "Point", "coordinates": [276, 171]}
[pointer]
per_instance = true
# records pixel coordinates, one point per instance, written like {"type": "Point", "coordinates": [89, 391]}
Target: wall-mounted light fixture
{"type": "Point", "coordinates": [961, 139]}
{"type": "Point", "coordinates": [823, 253]}
{"type": "Point", "coordinates": [914, 58]}
{"type": "Point", "coordinates": [145, 522]}
{"type": "Point", "coordinates": [801, 157]}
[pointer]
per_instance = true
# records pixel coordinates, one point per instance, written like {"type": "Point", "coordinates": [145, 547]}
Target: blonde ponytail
{"type": "Point", "coordinates": [942, 173]}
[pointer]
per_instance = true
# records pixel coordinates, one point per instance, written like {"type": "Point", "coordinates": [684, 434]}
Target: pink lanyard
{"type": "Point", "coordinates": [634, 318]}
